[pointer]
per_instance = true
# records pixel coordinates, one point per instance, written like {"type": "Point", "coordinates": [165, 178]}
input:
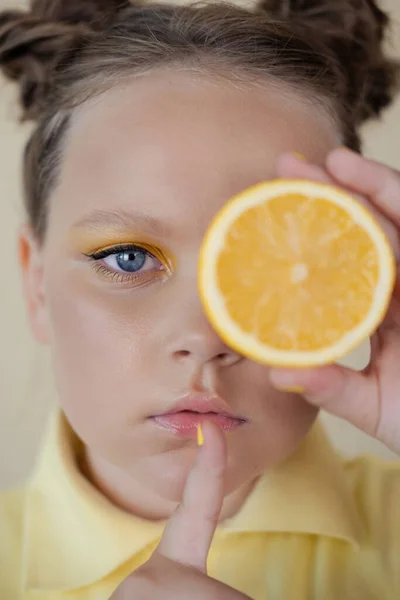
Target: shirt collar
{"type": "Point", "coordinates": [67, 520]}
{"type": "Point", "coordinates": [306, 494]}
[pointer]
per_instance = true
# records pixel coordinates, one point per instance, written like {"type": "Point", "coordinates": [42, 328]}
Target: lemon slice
{"type": "Point", "coordinates": [295, 273]}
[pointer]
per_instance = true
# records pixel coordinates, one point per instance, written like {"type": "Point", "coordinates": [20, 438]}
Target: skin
{"type": "Point", "coordinates": [125, 351]}
{"type": "Point", "coordinates": [369, 400]}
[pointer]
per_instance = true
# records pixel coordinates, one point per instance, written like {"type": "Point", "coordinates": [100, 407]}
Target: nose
{"type": "Point", "coordinates": [199, 343]}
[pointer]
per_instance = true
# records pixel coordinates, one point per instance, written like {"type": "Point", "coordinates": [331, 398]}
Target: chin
{"type": "Point", "coordinates": [165, 475]}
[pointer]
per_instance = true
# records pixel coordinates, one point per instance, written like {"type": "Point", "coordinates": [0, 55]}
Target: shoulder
{"type": "Point", "coordinates": [11, 524]}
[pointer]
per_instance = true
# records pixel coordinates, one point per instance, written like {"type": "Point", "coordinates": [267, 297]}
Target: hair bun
{"type": "Point", "coordinates": [34, 44]}
{"type": "Point", "coordinates": [353, 33]}
{"type": "Point", "coordinates": [94, 13]}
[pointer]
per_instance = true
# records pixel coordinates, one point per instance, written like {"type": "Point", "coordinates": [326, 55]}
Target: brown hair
{"type": "Point", "coordinates": [63, 52]}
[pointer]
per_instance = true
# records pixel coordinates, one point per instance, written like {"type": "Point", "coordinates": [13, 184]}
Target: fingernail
{"type": "Point", "coordinates": [285, 380]}
{"type": "Point", "coordinates": [299, 156]}
{"type": "Point", "coordinates": [200, 436]}
{"type": "Point", "coordinates": [295, 389]}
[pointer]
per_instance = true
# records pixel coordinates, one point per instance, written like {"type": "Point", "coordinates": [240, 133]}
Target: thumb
{"type": "Point", "coordinates": [188, 534]}
{"type": "Point", "coordinates": [342, 392]}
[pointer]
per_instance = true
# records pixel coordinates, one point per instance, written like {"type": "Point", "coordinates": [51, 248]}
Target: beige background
{"type": "Point", "coordinates": [26, 389]}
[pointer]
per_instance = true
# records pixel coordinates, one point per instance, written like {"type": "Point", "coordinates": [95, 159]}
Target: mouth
{"type": "Point", "coordinates": [191, 411]}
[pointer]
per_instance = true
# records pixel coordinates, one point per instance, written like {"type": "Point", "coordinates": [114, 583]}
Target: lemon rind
{"type": "Point", "coordinates": [213, 301]}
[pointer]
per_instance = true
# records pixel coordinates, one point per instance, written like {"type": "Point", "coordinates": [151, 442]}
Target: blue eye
{"type": "Point", "coordinates": [128, 259]}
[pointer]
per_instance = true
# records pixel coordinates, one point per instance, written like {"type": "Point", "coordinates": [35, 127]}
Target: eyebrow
{"type": "Point", "coordinates": [121, 220]}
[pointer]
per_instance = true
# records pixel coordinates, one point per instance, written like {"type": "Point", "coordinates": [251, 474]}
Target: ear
{"type": "Point", "coordinates": [31, 262]}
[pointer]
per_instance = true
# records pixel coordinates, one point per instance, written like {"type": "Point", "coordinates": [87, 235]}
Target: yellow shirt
{"type": "Point", "coordinates": [314, 528]}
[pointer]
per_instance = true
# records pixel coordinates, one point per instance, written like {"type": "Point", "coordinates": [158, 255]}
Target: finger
{"type": "Point", "coordinates": [188, 534]}
{"type": "Point", "coordinates": [347, 394]}
{"type": "Point", "coordinates": [292, 167]}
{"type": "Point", "coordinates": [380, 183]}
{"type": "Point", "coordinates": [171, 580]}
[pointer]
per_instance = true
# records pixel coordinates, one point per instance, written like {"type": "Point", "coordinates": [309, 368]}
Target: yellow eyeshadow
{"type": "Point", "coordinates": [88, 241]}
{"type": "Point", "coordinates": [157, 252]}
{"type": "Point", "coordinates": [154, 250]}
{"type": "Point", "coordinates": [88, 244]}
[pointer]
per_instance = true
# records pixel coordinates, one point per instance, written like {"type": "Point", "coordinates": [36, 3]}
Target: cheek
{"type": "Point", "coordinates": [288, 418]}
{"type": "Point", "coordinates": [283, 416]}
{"type": "Point", "coordinates": [292, 417]}
{"type": "Point", "coordinates": [281, 425]}
{"type": "Point", "coordinates": [279, 422]}
{"type": "Point", "coordinates": [101, 347]}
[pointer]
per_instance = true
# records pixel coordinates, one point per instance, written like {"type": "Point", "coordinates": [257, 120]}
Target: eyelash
{"type": "Point", "coordinates": [120, 276]}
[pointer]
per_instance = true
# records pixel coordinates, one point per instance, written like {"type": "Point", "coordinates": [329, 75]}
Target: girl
{"type": "Point", "coordinates": [148, 119]}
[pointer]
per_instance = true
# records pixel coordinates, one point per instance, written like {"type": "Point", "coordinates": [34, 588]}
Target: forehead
{"type": "Point", "coordinates": [177, 145]}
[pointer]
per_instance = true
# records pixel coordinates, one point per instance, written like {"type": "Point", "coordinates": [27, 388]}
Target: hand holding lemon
{"type": "Point", "coordinates": [296, 272]}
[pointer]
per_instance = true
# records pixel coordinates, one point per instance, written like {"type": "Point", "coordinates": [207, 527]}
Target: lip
{"type": "Point", "coordinates": [184, 417]}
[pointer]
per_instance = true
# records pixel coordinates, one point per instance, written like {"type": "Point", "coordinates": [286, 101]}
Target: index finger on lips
{"type": "Point", "coordinates": [188, 534]}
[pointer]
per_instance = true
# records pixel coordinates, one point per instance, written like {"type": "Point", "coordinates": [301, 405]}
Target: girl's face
{"type": "Point", "coordinates": [149, 165]}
